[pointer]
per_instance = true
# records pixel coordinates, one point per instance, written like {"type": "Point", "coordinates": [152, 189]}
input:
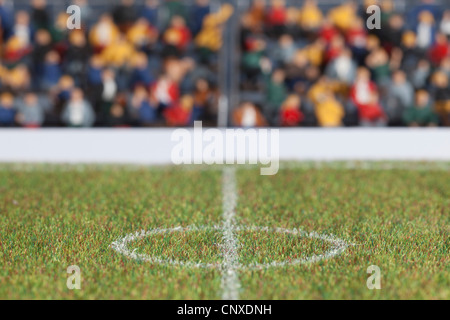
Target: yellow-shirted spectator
{"type": "Point", "coordinates": [118, 53]}
{"type": "Point", "coordinates": [329, 111]}
{"type": "Point", "coordinates": [314, 52]}
{"type": "Point", "coordinates": [142, 33]}
{"type": "Point", "coordinates": [18, 78]}
{"type": "Point", "coordinates": [343, 16]}
{"type": "Point", "coordinates": [310, 16]}
{"type": "Point", "coordinates": [210, 37]}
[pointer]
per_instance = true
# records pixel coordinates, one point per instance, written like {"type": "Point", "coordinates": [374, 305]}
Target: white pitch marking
{"type": "Point", "coordinates": [230, 245]}
{"type": "Point", "coordinates": [121, 246]}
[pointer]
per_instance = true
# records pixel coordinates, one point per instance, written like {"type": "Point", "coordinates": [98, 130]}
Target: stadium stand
{"type": "Point", "coordinates": [133, 63]}
{"type": "Point", "coordinates": [148, 63]}
{"type": "Point", "coordinates": [317, 64]}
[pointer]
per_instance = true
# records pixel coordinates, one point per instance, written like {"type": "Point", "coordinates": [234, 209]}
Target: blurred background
{"type": "Point", "coordinates": [168, 63]}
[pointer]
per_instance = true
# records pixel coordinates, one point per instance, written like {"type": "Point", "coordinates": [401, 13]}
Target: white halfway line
{"type": "Point", "coordinates": [230, 245]}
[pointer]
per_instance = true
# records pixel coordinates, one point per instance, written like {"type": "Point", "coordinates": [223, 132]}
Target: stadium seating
{"type": "Point", "coordinates": [151, 63]}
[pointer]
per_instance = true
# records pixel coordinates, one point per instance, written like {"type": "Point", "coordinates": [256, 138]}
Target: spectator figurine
{"type": "Point", "coordinates": [440, 81]}
{"type": "Point", "coordinates": [408, 54]}
{"type": "Point", "coordinates": [78, 112]}
{"type": "Point", "coordinates": [310, 16]}
{"type": "Point", "coordinates": [200, 10]}
{"type": "Point", "coordinates": [286, 49]}
{"type": "Point", "coordinates": [276, 17]}
{"type": "Point", "coordinates": [205, 100]}
{"type": "Point", "coordinates": [19, 79]}
{"type": "Point", "coordinates": [391, 35]}
{"type": "Point", "coordinates": [257, 13]}
{"type": "Point", "coordinates": [142, 108]}
{"type": "Point", "coordinates": [170, 9]}
{"type": "Point", "coordinates": [143, 35]}
{"type": "Point", "coordinates": [276, 94]}
{"type": "Point", "coordinates": [151, 12]}
{"type": "Point", "coordinates": [343, 68]}
{"type": "Point", "coordinates": [328, 110]}
{"type": "Point", "coordinates": [43, 45]}
{"type": "Point", "coordinates": [86, 12]}
{"type": "Point", "coordinates": [109, 92]}
{"type": "Point", "coordinates": [445, 24]}
{"type": "Point", "coordinates": [141, 73]}
{"type": "Point", "coordinates": [31, 114]}
{"type": "Point", "coordinates": [421, 74]}
{"type": "Point", "coordinates": [421, 113]}
{"type": "Point", "coordinates": [440, 49]}
{"type": "Point", "coordinates": [165, 92]}
{"type": "Point", "coordinates": [118, 117]}
{"type": "Point", "coordinates": [379, 64]}
{"type": "Point", "coordinates": [22, 28]}
{"type": "Point", "coordinates": [247, 115]}
{"type": "Point", "coordinates": [103, 33]}
{"type": "Point", "coordinates": [426, 30]}
{"type": "Point", "coordinates": [117, 54]}
{"type": "Point", "coordinates": [252, 59]}
{"type": "Point", "coordinates": [356, 38]}
{"type": "Point", "coordinates": [209, 39]}
{"type": "Point", "coordinates": [178, 34]}
{"type": "Point", "coordinates": [344, 15]}
{"type": "Point", "coordinates": [77, 56]}
{"type": "Point", "coordinates": [445, 66]}
{"type": "Point", "coordinates": [179, 114]}
{"type": "Point", "coordinates": [15, 50]}
{"type": "Point", "coordinates": [7, 110]}
{"type": "Point", "coordinates": [39, 15]}
{"type": "Point", "coordinates": [365, 96]}
{"type": "Point", "coordinates": [400, 97]}
{"type": "Point", "coordinates": [51, 72]}
{"type": "Point", "coordinates": [291, 114]}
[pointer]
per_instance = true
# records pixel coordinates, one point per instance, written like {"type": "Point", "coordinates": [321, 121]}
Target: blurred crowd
{"type": "Point", "coordinates": [306, 66]}
{"type": "Point", "coordinates": [151, 65]}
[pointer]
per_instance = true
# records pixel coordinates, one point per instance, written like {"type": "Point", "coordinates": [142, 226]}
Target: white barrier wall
{"type": "Point", "coordinates": [154, 146]}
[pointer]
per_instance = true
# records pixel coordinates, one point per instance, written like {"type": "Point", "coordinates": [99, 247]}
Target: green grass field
{"type": "Point", "coordinates": [52, 217]}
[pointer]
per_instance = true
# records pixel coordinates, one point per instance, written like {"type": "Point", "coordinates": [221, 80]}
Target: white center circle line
{"type": "Point", "coordinates": [230, 265]}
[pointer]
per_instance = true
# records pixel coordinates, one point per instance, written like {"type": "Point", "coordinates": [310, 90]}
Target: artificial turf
{"type": "Point", "coordinates": [54, 217]}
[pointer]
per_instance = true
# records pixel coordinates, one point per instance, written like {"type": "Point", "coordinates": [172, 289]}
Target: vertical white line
{"type": "Point", "coordinates": [230, 245]}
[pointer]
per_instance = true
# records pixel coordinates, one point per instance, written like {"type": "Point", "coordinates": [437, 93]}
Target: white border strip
{"type": "Point", "coordinates": [154, 146]}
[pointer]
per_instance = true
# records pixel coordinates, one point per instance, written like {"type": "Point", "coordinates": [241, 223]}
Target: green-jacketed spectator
{"type": "Point", "coordinates": [421, 114]}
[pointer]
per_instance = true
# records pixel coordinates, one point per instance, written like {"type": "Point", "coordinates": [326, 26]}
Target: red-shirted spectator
{"type": "Point", "coordinates": [179, 114]}
{"type": "Point", "coordinates": [165, 92]}
{"type": "Point", "coordinates": [335, 49]}
{"type": "Point", "coordinates": [440, 50]}
{"type": "Point", "coordinates": [364, 94]}
{"type": "Point", "coordinates": [178, 35]}
{"type": "Point", "coordinates": [291, 115]}
{"type": "Point", "coordinates": [357, 35]}
{"type": "Point", "coordinates": [277, 14]}
{"type": "Point", "coordinates": [328, 31]}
